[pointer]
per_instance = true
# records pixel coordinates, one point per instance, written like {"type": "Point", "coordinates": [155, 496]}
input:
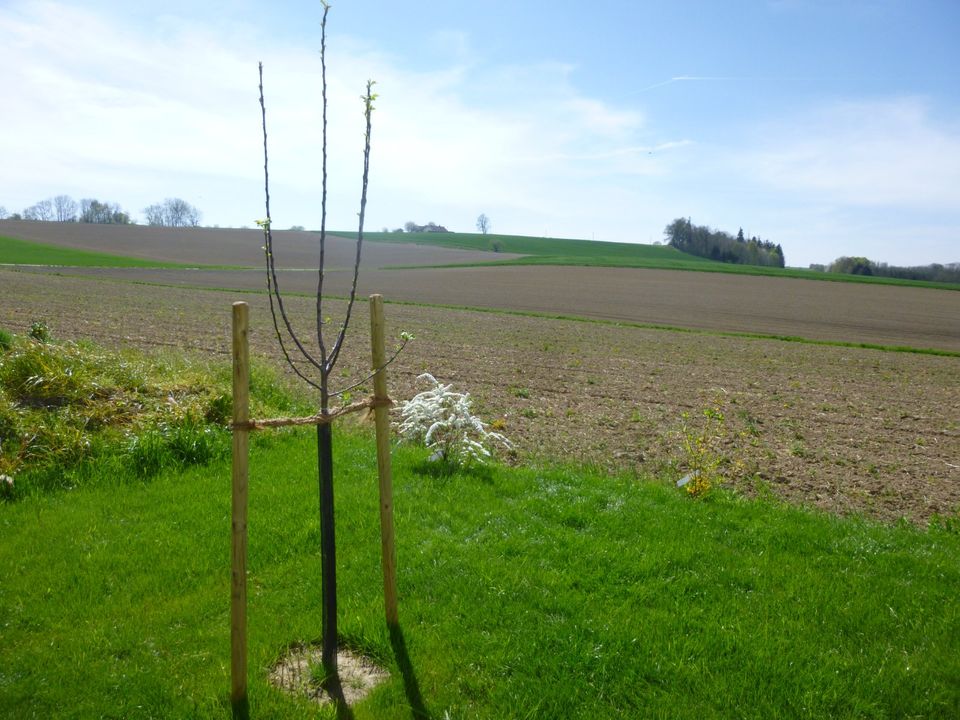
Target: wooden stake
{"type": "Point", "coordinates": [382, 418]}
{"type": "Point", "coordinates": [238, 526]}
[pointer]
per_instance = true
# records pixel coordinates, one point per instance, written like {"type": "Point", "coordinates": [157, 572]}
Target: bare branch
{"type": "Point", "coordinates": [324, 371]}
{"type": "Point", "coordinates": [368, 111]}
{"type": "Point", "coordinates": [373, 374]}
{"type": "Point", "coordinates": [273, 286]}
{"type": "Point", "coordinates": [276, 326]}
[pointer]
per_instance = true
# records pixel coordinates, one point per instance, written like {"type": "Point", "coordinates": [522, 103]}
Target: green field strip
{"type": "Point", "coordinates": [14, 251]}
{"type": "Point", "coordinates": [587, 253]}
{"type": "Point", "coordinates": [535, 246]}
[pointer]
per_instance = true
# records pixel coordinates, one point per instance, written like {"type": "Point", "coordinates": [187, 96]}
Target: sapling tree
{"type": "Point", "coordinates": [319, 356]}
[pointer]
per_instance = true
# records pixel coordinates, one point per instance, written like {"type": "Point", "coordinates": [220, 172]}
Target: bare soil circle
{"type": "Point", "coordinates": [299, 673]}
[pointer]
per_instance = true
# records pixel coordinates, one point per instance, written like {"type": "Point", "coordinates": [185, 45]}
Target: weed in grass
{"type": "Point", "coordinates": [185, 442]}
{"type": "Point", "coordinates": [701, 449]}
{"type": "Point", "coordinates": [219, 410]}
{"type": "Point", "coordinates": [521, 392]}
{"type": "Point", "coordinates": [949, 523]}
{"type": "Point", "coordinates": [39, 331]}
{"type": "Point", "coordinates": [6, 340]}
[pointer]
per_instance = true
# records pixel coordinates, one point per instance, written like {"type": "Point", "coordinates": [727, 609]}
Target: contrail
{"type": "Point", "coordinates": [679, 78]}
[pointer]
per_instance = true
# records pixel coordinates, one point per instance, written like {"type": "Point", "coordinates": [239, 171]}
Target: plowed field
{"type": "Point", "coordinates": [845, 429]}
{"type": "Point", "coordinates": [846, 312]}
{"type": "Point", "coordinates": [214, 246]}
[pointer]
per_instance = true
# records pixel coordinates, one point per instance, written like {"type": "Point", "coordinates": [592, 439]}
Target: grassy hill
{"type": "Point", "coordinates": [590, 253]}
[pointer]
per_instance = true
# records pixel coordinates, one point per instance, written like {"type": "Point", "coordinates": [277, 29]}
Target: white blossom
{"type": "Point", "coordinates": [443, 421]}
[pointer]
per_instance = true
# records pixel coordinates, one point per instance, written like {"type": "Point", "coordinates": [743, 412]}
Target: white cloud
{"type": "Point", "coordinates": [108, 109]}
{"type": "Point", "coordinates": [99, 106]}
{"type": "Point", "coordinates": [883, 153]}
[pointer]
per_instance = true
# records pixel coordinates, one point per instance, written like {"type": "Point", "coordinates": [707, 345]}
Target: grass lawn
{"type": "Point", "coordinates": [27, 252]}
{"type": "Point", "coordinates": [524, 592]}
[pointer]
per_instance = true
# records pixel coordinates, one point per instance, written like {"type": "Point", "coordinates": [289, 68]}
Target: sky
{"type": "Point", "coordinates": [831, 127]}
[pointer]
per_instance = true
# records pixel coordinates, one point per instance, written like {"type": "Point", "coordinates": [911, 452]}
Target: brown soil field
{"type": "Point", "coordinates": [849, 430]}
{"type": "Point", "coordinates": [213, 246]}
{"type": "Point", "coordinates": [846, 312]}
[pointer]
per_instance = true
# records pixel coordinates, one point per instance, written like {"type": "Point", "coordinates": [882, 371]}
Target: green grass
{"type": "Point", "coordinates": [535, 246]}
{"type": "Point", "coordinates": [527, 592]}
{"type": "Point", "coordinates": [586, 253]}
{"type": "Point", "coordinates": [26, 252]}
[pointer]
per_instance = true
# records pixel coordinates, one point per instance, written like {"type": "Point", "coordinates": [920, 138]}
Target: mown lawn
{"type": "Point", "coordinates": [525, 592]}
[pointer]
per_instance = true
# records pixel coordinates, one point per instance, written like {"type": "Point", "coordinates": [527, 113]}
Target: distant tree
{"type": "Point", "coordinates": [41, 211]}
{"type": "Point", "coordinates": [483, 223]}
{"type": "Point", "coordinates": [721, 246]}
{"type": "Point", "coordinates": [297, 228]}
{"type": "Point", "coordinates": [172, 212]}
{"type": "Point", "coordinates": [852, 266]}
{"type": "Point", "coordinates": [64, 208]}
{"type": "Point", "coordinates": [397, 230]}
{"type": "Point", "coordinates": [94, 211]}
{"type": "Point", "coordinates": [15, 216]}
{"type": "Point", "coordinates": [154, 215]}
{"type": "Point", "coordinates": [3, 213]}
{"type": "Point", "coordinates": [410, 226]}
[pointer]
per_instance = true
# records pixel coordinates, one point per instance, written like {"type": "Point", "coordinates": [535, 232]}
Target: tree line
{"type": "Point", "coordinates": [172, 212]}
{"type": "Point", "coordinates": [721, 246]}
{"type": "Point", "coordinates": [935, 272]}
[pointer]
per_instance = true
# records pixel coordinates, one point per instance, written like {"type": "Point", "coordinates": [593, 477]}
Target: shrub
{"type": "Point", "coordinates": [702, 451]}
{"type": "Point", "coordinates": [442, 420]}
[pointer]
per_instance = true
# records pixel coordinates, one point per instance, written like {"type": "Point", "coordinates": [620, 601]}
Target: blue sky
{"type": "Point", "coordinates": [829, 126]}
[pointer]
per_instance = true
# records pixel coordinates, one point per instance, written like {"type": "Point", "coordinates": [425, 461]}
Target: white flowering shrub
{"type": "Point", "coordinates": [441, 419]}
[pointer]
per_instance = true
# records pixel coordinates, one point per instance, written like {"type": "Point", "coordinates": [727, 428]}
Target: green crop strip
{"type": "Point", "coordinates": [586, 253]}
{"type": "Point", "coordinates": [25, 252]}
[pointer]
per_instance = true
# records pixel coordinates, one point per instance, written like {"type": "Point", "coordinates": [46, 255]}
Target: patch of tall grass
{"type": "Point", "coordinates": [68, 410]}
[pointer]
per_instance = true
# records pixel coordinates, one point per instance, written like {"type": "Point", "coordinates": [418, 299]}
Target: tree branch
{"type": "Point", "coordinates": [368, 111]}
{"type": "Point", "coordinates": [324, 371]}
{"type": "Point", "coordinates": [273, 286]}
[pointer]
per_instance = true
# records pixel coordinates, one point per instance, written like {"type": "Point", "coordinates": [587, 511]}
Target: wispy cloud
{"type": "Point", "coordinates": [889, 153]}
{"type": "Point", "coordinates": [680, 79]}
{"type": "Point", "coordinates": [149, 115]}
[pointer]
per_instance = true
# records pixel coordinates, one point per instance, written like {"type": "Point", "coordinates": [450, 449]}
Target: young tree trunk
{"type": "Point", "coordinates": [328, 552]}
